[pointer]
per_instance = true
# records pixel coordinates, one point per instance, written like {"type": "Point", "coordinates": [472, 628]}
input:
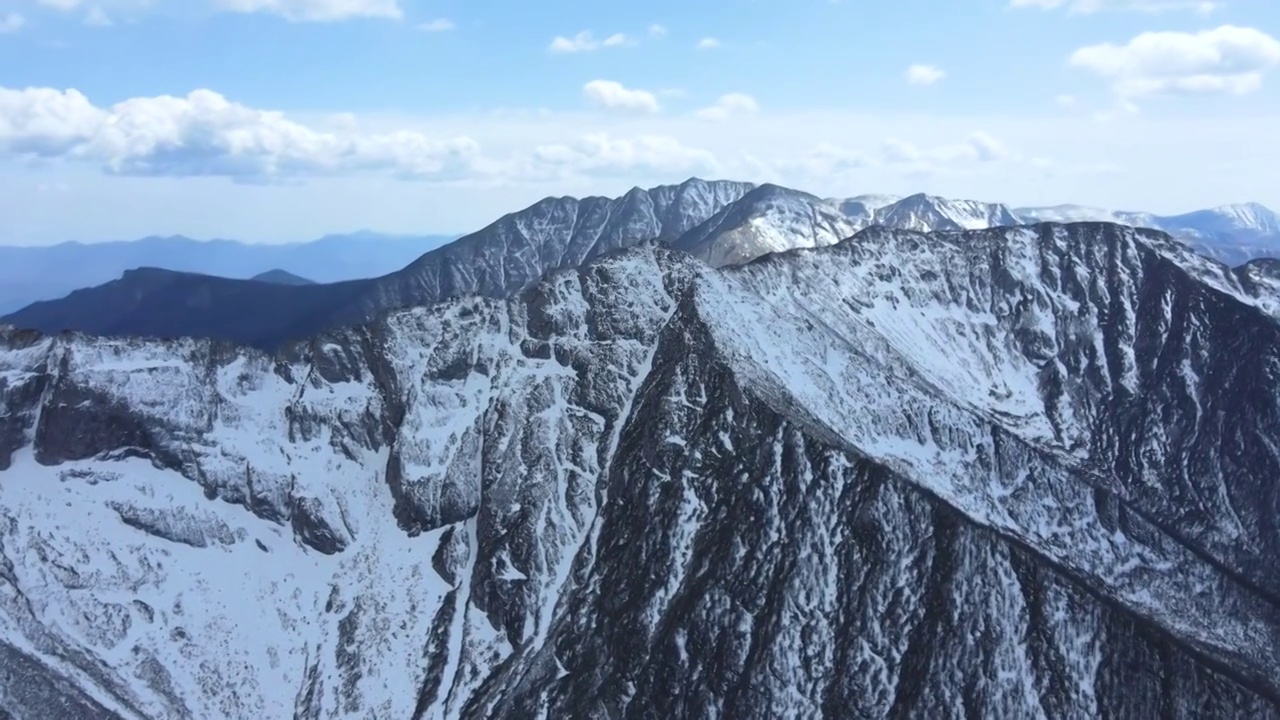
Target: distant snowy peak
{"type": "Point", "coordinates": [1251, 215]}
{"type": "Point", "coordinates": [923, 213]}
{"type": "Point", "coordinates": [766, 220]}
{"type": "Point", "coordinates": [1248, 218]}
{"type": "Point", "coordinates": [862, 209]}
{"type": "Point", "coordinates": [1067, 214]}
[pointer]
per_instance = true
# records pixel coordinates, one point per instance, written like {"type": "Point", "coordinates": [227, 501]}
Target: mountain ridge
{"type": "Point", "coordinates": [720, 222]}
{"type": "Point", "coordinates": [504, 257]}
{"type": "Point", "coordinates": [646, 485]}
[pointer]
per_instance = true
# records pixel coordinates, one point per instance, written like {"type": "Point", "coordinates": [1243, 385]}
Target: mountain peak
{"type": "Point", "coordinates": [281, 277]}
{"type": "Point", "coordinates": [1252, 215]}
{"type": "Point", "coordinates": [767, 219]}
{"type": "Point", "coordinates": [923, 212]}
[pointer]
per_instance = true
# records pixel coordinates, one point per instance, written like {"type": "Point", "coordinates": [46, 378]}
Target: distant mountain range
{"type": "Point", "coordinates": [29, 274]}
{"type": "Point", "coordinates": [1233, 234]}
{"type": "Point", "coordinates": [718, 222]}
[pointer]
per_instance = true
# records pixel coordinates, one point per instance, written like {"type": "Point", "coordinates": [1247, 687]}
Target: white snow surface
{"type": "Point", "coordinates": [891, 346]}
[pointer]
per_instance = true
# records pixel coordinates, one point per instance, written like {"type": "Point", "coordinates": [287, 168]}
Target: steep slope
{"type": "Point", "coordinates": [1260, 279]}
{"type": "Point", "coordinates": [503, 258]}
{"type": "Point", "coordinates": [928, 212]}
{"type": "Point", "coordinates": [1010, 473]}
{"type": "Point", "coordinates": [518, 249]}
{"type": "Point", "coordinates": [766, 220]}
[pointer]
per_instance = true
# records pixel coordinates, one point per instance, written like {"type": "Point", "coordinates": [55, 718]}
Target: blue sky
{"type": "Point", "coordinates": [273, 120]}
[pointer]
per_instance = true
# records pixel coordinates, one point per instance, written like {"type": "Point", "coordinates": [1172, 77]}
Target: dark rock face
{"type": "Point", "coordinates": [1010, 473]}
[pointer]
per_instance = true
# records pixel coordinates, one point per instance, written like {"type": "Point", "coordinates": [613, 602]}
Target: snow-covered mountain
{"type": "Point", "coordinates": [720, 222]}
{"type": "Point", "coordinates": [928, 212]}
{"type": "Point", "coordinates": [1082, 213]}
{"type": "Point", "coordinates": [1233, 234]}
{"type": "Point", "coordinates": [1226, 219]}
{"type": "Point", "coordinates": [1244, 218]}
{"type": "Point", "coordinates": [862, 209]}
{"type": "Point", "coordinates": [1017, 473]}
{"type": "Point", "coordinates": [766, 220]}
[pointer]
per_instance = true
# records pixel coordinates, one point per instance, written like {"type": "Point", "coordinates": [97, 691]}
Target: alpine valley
{"type": "Point", "coordinates": [703, 451]}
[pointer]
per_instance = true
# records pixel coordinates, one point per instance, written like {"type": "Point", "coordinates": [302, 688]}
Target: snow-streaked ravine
{"type": "Point", "coordinates": [1021, 472]}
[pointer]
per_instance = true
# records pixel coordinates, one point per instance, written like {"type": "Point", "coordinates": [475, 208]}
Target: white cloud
{"type": "Point", "coordinates": [437, 25]}
{"type": "Point", "coordinates": [1123, 107]}
{"type": "Point", "coordinates": [1227, 59]}
{"type": "Point", "coordinates": [612, 95]}
{"type": "Point", "coordinates": [1066, 101]}
{"type": "Point", "coordinates": [1086, 7]}
{"type": "Point", "coordinates": [11, 22]}
{"type": "Point", "coordinates": [657, 30]}
{"type": "Point", "coordinates": [985, 148]}
{"type": "Point", "coordinates": [1127, 165]}
{"type": "Point", "coordinates": [204, 134]}
{"type": "Point", "coordinates": [311, 10]}
{"type": "Point", "coordinates": [826, 160]}
{"type": "Point", "coordinates": [894, 150]}
{"type": "Point", "coordinates": [586, 42]}
{"type": "Point", "coordinates": [602, 154]}
{"type": "Point", "coordinates": [730, 105]}
{"type": "Point", "coordinates": [977, 147]}
{"type": "Point", "coordinates": [97, 17]}
{"type": "Point", "coordinates": [708, 43]}
{"type": "Point", "coordinates": [924, 74]}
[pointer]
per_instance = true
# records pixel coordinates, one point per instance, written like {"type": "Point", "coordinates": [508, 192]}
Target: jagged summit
{"type": "Point", "coordinates": [929, 212]}
{"type": "Point", "coordinates": [767, 219]}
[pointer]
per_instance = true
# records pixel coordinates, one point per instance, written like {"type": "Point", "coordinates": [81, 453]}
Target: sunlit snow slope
{"type": "Point", "coordinates": [1012, 473]}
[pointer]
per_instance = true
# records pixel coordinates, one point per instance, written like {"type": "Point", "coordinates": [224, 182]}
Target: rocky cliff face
{"type": "Point", "coordinates": [1009, 473]}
